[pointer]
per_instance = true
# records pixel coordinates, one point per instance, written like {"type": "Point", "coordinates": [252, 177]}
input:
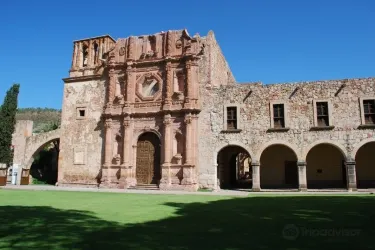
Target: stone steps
{"type": "Point", "coordinates": [145, 187]}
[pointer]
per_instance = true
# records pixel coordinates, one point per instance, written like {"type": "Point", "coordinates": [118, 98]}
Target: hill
{"type": "Point", "coordinates": [45, 119]}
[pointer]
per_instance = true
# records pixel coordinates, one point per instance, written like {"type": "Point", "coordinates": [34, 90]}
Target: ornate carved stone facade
{"type": "Point", "coordinates": [165, 109]}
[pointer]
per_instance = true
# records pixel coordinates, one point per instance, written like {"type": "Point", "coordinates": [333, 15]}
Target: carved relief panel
{"type": "Point", "coordinates": [149, 86]}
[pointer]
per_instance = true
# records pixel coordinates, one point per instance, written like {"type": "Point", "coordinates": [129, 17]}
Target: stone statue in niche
{"type": "Point", "coordinates": [117, 147]}
{"type": "Point", "coordinates": [118, 90]}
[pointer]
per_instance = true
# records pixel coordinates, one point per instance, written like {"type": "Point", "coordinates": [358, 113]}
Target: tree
{"type": "Point", "coordinates": [7, 122]}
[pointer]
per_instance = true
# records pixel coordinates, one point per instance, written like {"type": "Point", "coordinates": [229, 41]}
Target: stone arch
{"type": "Point", "coordinates": [278, 165]}
{"type": "Point", "coordinates": [233, 166]}
{"type": "Point", "coordinates": [148, 169]}
{"type": "Point", "coordinates": [340, 147]}
{"type": "Point", "coordinates": [230, 143]}
{"type": "Point", "coordinates": [325, 165]}
{"type": "Point", "coordinates": [277, 142]}
{"type": "Point", "coordinates": [359, 145]}
{"type": "Point", "coordinates": [35, 143]}
{"type": "Point", "coordinates": [143, 131]}
{"type": "Point", "coordinates": [363, 154]}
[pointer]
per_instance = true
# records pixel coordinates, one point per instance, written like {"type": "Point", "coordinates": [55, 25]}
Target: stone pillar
{"type": "Point", "coordinates": [169, 84]}
{"type": "Point", "coordinates": [90, 54]}
{"type": "Point", "coordinates": [108, 148]}
{"type": "Point", "coordinates": [170, 37]}
{"type": "Point", "coordinates": [189, 81]}
{"type": "Point", "coordinates": [80, 56]}
{"type": "Point", "coordinates": [165, 181]}
{"type": "Point", "coordinates": [302, 181]}
{"type": "Point", "coordinates": [131, 82]}
{"type": "Point", "coordinates": [131, 52]}
{"type": "Point", "coordinates": [111, 87]}
{"type": "Point", "coordinates": [126, 143]}
{"type": "Point", "coordinates": [255, 165]}
{"type": "Point", "coordinates": [188, 139]}
{"type": "Point", "coordinates": [351, 178]}
{"type": "Point", "coordinates": [75, 56]}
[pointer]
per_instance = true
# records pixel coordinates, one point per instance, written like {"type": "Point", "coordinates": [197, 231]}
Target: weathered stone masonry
{"type": "Point", "coordinates": [174, 94]}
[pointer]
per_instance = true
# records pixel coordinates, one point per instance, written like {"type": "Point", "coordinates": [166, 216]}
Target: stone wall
{"type": "Point", "coordinates": [81, 142]}
{"type": "Point", "coordinates": [22, 130]}
{"type": "Point", "coordinates": [253, 101]}
{"type": "Point", "coordinates": [219, 72]}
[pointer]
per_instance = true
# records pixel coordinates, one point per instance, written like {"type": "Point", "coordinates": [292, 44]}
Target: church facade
{"type": "Point", "coordinates": [164, 110]}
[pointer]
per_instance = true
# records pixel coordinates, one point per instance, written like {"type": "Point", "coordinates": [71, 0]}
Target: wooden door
{"type": "Point", "coordinates": [148, 159]}
{"type": "Point", "coordinates": [25, 177]}
{"type": "Point", "coordinates": [3, 176]}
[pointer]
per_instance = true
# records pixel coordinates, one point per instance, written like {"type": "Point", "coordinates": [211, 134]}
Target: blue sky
{"type": "Point", "coordinates": [272, 41]}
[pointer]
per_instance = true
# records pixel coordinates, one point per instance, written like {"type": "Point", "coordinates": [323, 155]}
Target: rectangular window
{"type": "Point", "coordinates": [278, 116]}
{"type": "Point", "coordinates": [322, 115]}
{"type": "Point", "coordinates": [369, 111]}
{"type": "Point", "coordinates": [231, 118]}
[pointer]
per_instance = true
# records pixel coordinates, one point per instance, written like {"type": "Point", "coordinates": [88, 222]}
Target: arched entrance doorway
{"type": "Point", "coordinates": [278, 167]}
{"type": "Point", "coordinates": [234, 168]}
{"type": "Point", "coordinates": [148, 159]}
{"type": "Point", "coordinates": [365, 166]}
{"type": "Point", "coordinates": [325, 167]}
{"type": "Point", "coordinates": [44, 167]}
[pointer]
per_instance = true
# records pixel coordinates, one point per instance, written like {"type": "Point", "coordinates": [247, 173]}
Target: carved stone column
{"type": "Point", "coordinates": [188, 139]}
{"type": "Point", "coordinates": [111, 87]}
{"type": "Point", "coordinates": [302, 181]}
{"type": "Point", "coordinates": [126, 179]}
{"type": "Point", "coordinates": [90, 55]}
{"type": "Point", "coordinates": [168, 86]}
{"type": "Point", "coordinates": [75, 56]}
{"type": "Point", "coordinates": [165, 181]}
{"type": "Point", "coordinates": [108, 142]}
{"type": "Point", "coordinates": [131, 51]}
{"type": "Point", "coordinates": [130, 85]}
{"type": "Point", "coordinates": [108, 148]}
{"type": "Point", "coordinates": [80, 55]}
{"type": "Point", "coordinates": [188, 83]}
{"type": "Point", "coordinates": [351, 178]}
{"type": "Point", "coordinates": [256, 175]}
{"type": "Point", "coordinates": [170, 37]}
{"type": "Point", "coordinates": [126, 142]}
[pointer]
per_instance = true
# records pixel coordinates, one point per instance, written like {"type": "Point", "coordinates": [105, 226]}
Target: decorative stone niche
{"type": "Point", "coordinates": [179, 81]}
{"type": "Point", "coordinates": [178, 147]}
{"type": "Point", "coordinates": [117, 149]}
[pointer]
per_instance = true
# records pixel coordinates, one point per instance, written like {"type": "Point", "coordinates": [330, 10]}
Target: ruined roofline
{"type": "Point", "coordinates": [184, 31]}
{"type": "Point", "coordinates": [95, 37]}
{"type": "Point", "coordinates": [343, 80]}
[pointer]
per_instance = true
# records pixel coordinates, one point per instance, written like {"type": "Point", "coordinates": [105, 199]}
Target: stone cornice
{"type": "Point", "coordinates": [80, 78]}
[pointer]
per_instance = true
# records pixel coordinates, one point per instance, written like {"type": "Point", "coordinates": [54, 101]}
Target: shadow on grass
{"type": "Point", "coordinates": [340, 222]}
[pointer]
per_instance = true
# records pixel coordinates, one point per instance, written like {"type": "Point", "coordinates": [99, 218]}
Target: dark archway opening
{"type": "Point", "coordinates": [234, 168]}
{"type": "Point", "coordinates": [365, 166]}
{"type": "Point", "coordinates": [148, 169]}
{"type": "Point", "coordinates": [44, 169]}
{"type": "Point", "coordinates": [278, 168]}
{"type": "Point", "coordinates": [325, 167]}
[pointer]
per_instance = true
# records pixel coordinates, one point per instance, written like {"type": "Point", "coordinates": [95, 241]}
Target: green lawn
{"type": "Point", "coordinates": [84, 220]}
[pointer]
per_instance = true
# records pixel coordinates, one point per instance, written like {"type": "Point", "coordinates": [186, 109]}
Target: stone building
{"type": "Point", "coordinates": [165, 110]}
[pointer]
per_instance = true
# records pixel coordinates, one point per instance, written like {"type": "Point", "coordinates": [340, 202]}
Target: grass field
{"type": "Point", "coordinates": [84, 220]}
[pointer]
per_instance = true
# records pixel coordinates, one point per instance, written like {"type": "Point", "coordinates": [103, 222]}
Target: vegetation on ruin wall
{"type": "Point", "coordinates": [7, 122]}
{"type": "Point", "coordinates": [45, 119]}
